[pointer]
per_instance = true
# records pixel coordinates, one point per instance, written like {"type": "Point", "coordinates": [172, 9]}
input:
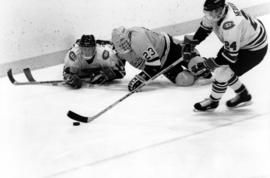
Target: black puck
{"type": "Point", "coordinates": [76, 123]}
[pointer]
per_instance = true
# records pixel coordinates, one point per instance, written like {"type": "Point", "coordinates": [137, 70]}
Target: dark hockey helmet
{"type": "Point", "coordinates": [87, 45]}
{"type": "Point", "coordinates": [210, 5]}
{"type": "Point", "coordinates": [87, 41]}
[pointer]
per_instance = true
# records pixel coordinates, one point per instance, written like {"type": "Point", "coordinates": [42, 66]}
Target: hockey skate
{"type": "Point", "coordinates": [207, 104]}
{"type": "Point", "coordinates": [242, 99]}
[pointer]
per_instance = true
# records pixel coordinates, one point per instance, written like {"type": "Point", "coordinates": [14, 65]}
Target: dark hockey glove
{"type": "Point", "coordinates": [74, 81]}
{"type": "Point", "coordinates": [138, 80]}
{"type": "Point", "coordinates": [208, 64]}
{"type": "Point", "coordinates": [98, 78]}
{"type": "Point", "coordinates": [188, 49]}
{"type": "Point", "coordinates": [106, 74]}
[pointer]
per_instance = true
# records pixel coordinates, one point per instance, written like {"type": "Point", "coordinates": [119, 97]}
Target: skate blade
{"type": "Point", "coordinates": [208, 110]}
{"type": "Point", "coordinates": [241, 105]}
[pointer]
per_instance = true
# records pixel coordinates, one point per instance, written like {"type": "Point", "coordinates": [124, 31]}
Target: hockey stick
{"type": "Point", "coordinates": [85, 119]}
{"type": "Point", "coordinates": [32, 81]}
{"type": "Point", "coordinates": [30, 77]}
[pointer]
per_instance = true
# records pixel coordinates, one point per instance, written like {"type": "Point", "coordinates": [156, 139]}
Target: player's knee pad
{"type": "Point", "coordinates": [184, 78]}
{"type": "Point", "coordinates": [195, 60]}
{"type": "Point", "coordinates": [223, 73]}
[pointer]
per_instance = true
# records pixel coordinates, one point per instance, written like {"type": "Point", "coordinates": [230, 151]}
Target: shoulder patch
{"type": "Point", "coordinates": [72, 56]}
{"type": "Point", "coordinates": [105, 54]}
{"type": "Point", "coordinates": [228, 25]}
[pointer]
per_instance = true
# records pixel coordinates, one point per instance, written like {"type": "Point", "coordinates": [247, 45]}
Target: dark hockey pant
{"type": "Point", "coordinates": [174, 54]}
{"type": "Point", "coordinates": [246, 60]}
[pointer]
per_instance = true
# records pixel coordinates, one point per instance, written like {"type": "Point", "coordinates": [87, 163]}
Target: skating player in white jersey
{"type": "Point", "coordinates": [245, 44]}
{"type": "Point", "coordinates": [94, 61]}
{"type": "Point", "coordinates": [151, 52]}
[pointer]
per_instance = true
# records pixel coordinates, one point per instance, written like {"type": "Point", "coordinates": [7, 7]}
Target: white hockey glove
{"type": "Point", "coordinates": [138, 80]}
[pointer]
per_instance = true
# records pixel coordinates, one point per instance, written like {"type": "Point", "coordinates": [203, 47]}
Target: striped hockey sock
{"type": "Point", "coordinates": [218, 89]}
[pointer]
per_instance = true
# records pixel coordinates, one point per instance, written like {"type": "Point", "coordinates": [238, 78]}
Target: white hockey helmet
{"type": "Point", "coordinates": [121, 40]}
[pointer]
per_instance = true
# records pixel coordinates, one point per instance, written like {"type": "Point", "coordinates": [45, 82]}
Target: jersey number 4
{"type": "Point", "coordinates": [232, 46]}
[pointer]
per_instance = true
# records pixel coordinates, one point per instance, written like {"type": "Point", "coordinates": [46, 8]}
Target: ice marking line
{"type": "Point", "coordinates": [156, 145]}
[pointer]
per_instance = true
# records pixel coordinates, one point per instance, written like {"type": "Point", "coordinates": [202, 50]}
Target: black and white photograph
{"type": "Point", "coordinates": [134, 89]}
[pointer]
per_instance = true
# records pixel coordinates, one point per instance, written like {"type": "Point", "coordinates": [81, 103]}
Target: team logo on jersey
{"type": "Point", "coordinates": [105, 54]}
{"type": "Point", "coordinates": [228, 25]}
{"type": "Point", "coordinates": [72, 56]}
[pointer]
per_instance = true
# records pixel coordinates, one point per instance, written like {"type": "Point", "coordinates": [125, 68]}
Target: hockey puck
{"type": "Point", "coordinates": [76, 123]}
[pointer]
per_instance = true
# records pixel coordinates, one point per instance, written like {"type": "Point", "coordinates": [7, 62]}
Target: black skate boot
{"type": "Point", "coordinates": [208, 104]}
{"type": "Point", "coordinates": [241, 99]}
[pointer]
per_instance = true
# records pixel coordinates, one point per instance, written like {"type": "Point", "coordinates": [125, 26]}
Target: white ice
{"type": "Point", "coordinates": [151, 134]}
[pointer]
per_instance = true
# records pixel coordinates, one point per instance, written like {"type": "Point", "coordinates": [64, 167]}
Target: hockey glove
{"type": "Point", "coordinates": [98, 78]}
{"type": "Point", "coordinates": [106, 74]}
{"type": "Point", "coordinates": [188, 49]}
{"type": "Point", "coordinates": [208, 64]}
{"type": "Point", "coordinates": [74, 81]}
{"type": "Point", "coordinates": [138, 80]}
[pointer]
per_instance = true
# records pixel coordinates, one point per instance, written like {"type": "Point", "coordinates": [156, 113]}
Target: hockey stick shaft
{"type": "Point", "coordinates": [80, 118]}
{"type": "Point", "coordinates": [32, 82]}
{"type": "Point", "coordinates": [30, 78]}
{"type": "Point", "coordinates": [54, 82]}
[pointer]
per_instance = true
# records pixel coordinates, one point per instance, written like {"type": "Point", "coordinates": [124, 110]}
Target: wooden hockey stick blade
{"type": "Point", "coordinates": [10, 76]}
{"type": "Point", "coordinates": [28, 75]}
{"type": "Point", "coordinates": [78, 117]}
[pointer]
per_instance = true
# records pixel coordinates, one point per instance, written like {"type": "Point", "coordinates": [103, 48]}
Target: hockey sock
{"type": "Point", "coordinates": [218, 89]}
{"type": "Point", "coordinates": [235, 83]}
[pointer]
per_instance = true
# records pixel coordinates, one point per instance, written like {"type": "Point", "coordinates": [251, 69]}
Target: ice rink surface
{"type": "Point", "coordinates": [151, 134]}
